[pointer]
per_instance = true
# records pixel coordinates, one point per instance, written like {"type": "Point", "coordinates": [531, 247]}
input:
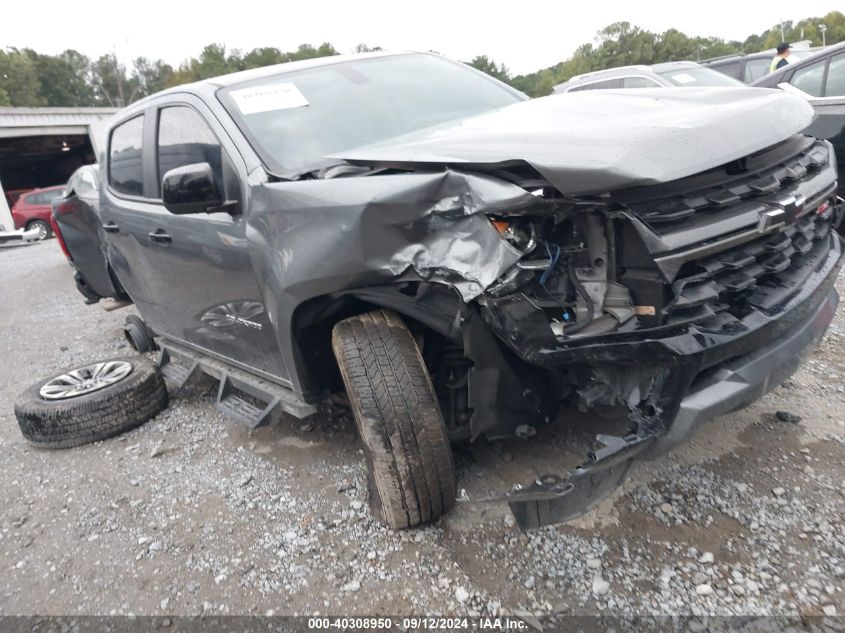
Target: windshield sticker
{"type": "Point", "coordinates": [683, 78]}
{"type": "Point", "coordinates": [268, 98]}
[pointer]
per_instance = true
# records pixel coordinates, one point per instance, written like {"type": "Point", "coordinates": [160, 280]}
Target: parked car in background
{"type": "Point", "coordinates": [33, 210]}
{"type": "Point", "coordinates": [748, 68]}
{"type": "Point", "coordinates": [820, 79]}
{"type": "Point", "coordinates": [667, 75]}
{"type": "Point", "coordinates": [76, 222]}
{"type": "Point", "coordinates": [13, 194]}
{"type": "Point", "coordinates": [464, 261]}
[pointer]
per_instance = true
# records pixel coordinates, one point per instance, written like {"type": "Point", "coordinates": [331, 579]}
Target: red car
{"type": "Point", "coordinates": [33, 210]}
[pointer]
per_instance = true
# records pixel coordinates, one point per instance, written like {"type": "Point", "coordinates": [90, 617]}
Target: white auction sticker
{"type": "Point", "coordinates": [268, 98]}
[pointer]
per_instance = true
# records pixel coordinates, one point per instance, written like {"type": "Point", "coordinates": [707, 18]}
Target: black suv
{"type": "Point", "coordinates": [462, 260]}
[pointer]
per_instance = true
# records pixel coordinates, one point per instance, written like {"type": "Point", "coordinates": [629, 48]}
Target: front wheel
{"type": "Point", "coordinates": [44, 230]}
{"type": "Point", "coordinates": [396, 411]}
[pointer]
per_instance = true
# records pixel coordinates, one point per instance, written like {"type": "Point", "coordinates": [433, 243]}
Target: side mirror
{"type": "Point", "coordinates": [191, 189]}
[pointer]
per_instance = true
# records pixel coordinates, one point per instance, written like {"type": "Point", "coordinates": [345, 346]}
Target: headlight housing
{"type": "Point", "coordinates": [519, 233]}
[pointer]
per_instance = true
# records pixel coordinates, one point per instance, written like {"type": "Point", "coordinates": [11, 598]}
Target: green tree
{"type": "Point", "coordinates": [487, 65]}
{"type": "Point", "coordinates": [673, 44]}
{"type": "Point", "coordinates": [213, 62]}
{"type": "Point", "coordinates": [306, 51]}
{"type": "Point", "coordinates": [112, 86]}
{"type": "Point", "coordinates": [621, 44]}
{"type": "Point", "coordinates": [19, 81]}
{"type": "Point", "coordinates": [65, 79]}
{"type": "Point", "coordinates": [151, 75]}
{"type": "Point", "coordinates": [258, 57]}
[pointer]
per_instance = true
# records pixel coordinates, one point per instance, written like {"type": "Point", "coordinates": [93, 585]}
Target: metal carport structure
{"type": "Point", "coordinates": [40, 147]}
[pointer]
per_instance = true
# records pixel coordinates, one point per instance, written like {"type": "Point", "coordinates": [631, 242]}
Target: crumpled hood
{"type": "Point", "coordinates": [600, 140]}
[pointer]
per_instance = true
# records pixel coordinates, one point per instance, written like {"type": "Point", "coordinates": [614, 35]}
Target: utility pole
{"type": "Point", "coordinates": [823, 28]}
{"type": "Point", "coordinates": [782, 36]}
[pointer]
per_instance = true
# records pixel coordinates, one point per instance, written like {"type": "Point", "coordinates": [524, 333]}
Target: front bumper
{"type": "Point", "coordinates": [703, 375]}
{"type": "Point", "coordinates": [737, 384]}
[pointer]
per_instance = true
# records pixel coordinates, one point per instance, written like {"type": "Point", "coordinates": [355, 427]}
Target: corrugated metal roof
{"type": "Point", "coordinates": [42, 117]}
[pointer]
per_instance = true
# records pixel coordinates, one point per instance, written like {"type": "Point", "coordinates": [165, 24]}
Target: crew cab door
{"type": "Point", "coordinates": [191, 275]}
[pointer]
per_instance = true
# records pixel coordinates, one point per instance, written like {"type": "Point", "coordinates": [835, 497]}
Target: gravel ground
{"type": "Point", "coordinates": [192, 513]}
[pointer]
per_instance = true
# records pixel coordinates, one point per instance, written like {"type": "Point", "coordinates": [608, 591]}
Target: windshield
{"type": "Point", "coordinates": [697, 77]}
{"type": "Point", "coordinates": [296, 119]}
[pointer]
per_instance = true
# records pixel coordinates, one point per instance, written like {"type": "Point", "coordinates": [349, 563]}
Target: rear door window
{"type": "Point", "coordinates": [126, 169]}
{"type": "Point", "coordinates": [184, 138]}
{"type": "Point", "coordinates": [809, 79]}
{"type": "Point", "coordinates": [639, 82]}
{"type": "Point", "coordinates": [41, 198]}
{"type": "Point", "coordinates": [755, 68]}
{"type": "Point", "coordinates": [731, 68]}
{"type": "Point", "coordinates": [48, 196]}
{"type": "Point", "coordinates": [599, 85]}
{"type": "Point", "coordinates": [835, 85]}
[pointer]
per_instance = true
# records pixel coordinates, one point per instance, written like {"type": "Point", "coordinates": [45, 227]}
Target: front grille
{"type": "Point", "coordinates": [730, 189]}
{"type": "Point", "coordinates": [713, 265]}
{"type": "Point", "coordinates": [721, 289]}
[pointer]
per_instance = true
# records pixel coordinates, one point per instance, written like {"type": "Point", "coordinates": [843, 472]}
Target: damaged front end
{"type": "Point", "coordinates": [672, 305]}
{"type": "Point", "coordinates": [537, 269]}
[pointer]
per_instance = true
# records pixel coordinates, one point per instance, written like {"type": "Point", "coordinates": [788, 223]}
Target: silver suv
{"type": "Point", "coordinates": [667, 75]}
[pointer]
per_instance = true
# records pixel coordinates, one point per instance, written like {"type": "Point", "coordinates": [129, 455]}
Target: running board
{"type": "Point", "coordinates": [247, 398]}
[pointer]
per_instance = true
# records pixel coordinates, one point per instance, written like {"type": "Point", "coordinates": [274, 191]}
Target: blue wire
{"type": "Point", "coordinates": [552, 263]}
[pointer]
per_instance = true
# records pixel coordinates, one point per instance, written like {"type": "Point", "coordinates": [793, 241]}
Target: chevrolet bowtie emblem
{"type": "Point", "coordinates": [770, 219]}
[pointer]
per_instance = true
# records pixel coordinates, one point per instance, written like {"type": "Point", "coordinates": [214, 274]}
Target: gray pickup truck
{"type": "Point", "coordinates": [463, 261]}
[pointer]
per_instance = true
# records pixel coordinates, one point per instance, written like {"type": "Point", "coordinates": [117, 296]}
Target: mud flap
{"type": "Point", "coordinates": [553, 499]}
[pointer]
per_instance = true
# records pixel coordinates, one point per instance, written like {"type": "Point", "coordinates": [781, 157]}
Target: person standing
{"type": "Point", "coordinates": [779, 60]}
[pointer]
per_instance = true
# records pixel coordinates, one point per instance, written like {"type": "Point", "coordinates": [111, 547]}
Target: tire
{"type": "Point", "coordinates": [94, 416]}
{"type": "Point", "coordinates": [140, 336]}
{"type": "Point", "coordinates": [44, 229]}
{"type": "Point", "coordinates": [409, 459]}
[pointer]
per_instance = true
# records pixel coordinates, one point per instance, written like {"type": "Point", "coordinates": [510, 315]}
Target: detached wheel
{"type": "Point", "coordinates": [91, 403]}
{"type": "Point", "coordinates": [409, 459]}
{"type": "Point", "coordinates": [44, 230]}
{"type": "Point", "coordinates": [139, 336]}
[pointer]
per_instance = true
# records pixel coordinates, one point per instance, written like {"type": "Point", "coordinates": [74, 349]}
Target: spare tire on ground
{"type": "Point", "coordinates": [91, 403]}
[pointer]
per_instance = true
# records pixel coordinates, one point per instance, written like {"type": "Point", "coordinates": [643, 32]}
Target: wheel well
{"type": "Point", "coordinates": [34, 220]}
{"type": "Point", "coordinates": [119, 292]}
{"type": "Point", "coordinates": [428, 310]}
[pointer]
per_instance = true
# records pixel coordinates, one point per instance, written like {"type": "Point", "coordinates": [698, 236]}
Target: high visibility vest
{"type": "Point", "coordinates": [774, 65]}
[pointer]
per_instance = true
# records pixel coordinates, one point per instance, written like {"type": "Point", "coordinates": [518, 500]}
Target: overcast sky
{"type": "Point", "coordinates": [526, 35]}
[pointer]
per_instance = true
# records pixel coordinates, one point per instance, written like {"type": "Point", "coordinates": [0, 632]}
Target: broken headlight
{"type": "Point", "coordinates": [518, 233]}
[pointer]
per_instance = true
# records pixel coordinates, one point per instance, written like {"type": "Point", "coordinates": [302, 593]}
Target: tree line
{"type": "Point", "coordinates": [622, 43]}
{"type": "Point", "coordinates": [71, 79]}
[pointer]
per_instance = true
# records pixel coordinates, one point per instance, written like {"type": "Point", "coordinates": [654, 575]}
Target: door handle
{"type": "Point", "coordinates": [111, 227]}
{"type": "Point", "coordinates": [160, 236]}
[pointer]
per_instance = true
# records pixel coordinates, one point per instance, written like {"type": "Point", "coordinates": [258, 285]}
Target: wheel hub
{"type": "Point", "coordinates": [85, 380]}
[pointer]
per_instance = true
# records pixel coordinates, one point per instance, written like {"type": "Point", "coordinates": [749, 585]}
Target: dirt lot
{"type": "Point", "coordinates": [193, 514]}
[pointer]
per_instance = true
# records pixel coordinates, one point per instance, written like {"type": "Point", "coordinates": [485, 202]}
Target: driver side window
{"type": "Point", "coordinates": [184, 138]}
